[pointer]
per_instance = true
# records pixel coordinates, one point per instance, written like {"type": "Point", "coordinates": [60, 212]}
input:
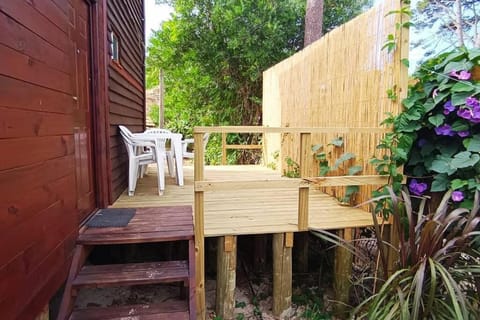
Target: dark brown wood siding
{"type": "Point", "coordinates": [126, 83]}
{"type": "Point", "coordinates": [38, 215]}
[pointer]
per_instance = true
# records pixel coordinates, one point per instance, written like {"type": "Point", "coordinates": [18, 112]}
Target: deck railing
{"type": "Point", "coordinates": [303, 183]}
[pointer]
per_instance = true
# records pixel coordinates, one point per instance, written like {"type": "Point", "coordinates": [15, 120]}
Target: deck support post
{"type": "Point", "coordinates": [343, 272]}
{"type": "Point", "coordinates": [282, 244]}
{"type": "Point", "coordinates": [199, 228]}
{"type": "Point", "coordinates": [226, 277]}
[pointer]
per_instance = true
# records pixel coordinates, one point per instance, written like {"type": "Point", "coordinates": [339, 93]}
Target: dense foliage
{"type": "Point", "coordinates": [437, 136]}
{"type": "Point", "coordinates": [213, 54]}
{"type": "Point", "coordinates": [442, 120]}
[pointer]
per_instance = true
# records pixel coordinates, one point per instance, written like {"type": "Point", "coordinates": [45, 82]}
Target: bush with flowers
{"type": "Point", "coordinates": [439, 130]}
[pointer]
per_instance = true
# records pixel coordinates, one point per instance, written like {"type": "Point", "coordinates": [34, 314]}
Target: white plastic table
{"type": "Point", "coordinates": [176, 145]}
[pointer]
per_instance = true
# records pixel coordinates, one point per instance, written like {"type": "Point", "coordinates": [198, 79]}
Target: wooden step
{"type": "Point", "coordinates": [167, 310]}
{"type": "Point", "coordinates": [131, 274]}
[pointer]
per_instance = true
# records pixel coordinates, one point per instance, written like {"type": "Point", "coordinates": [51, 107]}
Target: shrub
{"type": "Point", "coordinates": [440, 126]}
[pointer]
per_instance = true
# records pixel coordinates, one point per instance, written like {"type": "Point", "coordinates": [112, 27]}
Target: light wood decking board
{"type": "Point", "coordinates": [247, 211]}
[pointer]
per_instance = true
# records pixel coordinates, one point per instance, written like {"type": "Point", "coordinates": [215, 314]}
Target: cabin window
{"type": "Point", "coordinates": [115, 47]}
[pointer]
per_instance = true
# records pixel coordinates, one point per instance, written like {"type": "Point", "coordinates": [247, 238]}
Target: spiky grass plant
{"type": "Point", "coordinates": [438, 266]}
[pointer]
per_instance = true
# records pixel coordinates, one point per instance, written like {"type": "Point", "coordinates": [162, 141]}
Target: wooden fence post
{"type": "Point", "coordinates": [282, 272]}
{"type": "Point", "coordinates": [226, 276]}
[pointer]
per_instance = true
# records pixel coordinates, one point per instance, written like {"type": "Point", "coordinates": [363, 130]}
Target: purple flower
{"type": "Point", "coordinates": [463, 134]}
{"type": "Point", "coordinates": [470, 113]}
{"type": "Point", "coordinates": [445, 130]}
{"type": "Point", "coordinates": [457, 196]}
{"type": "Point", "coordinates": [448, 107]}
{"type": "Point", "coordinates": [472, 102]}
{"type": "Point", "coordinates": [417, 188]}
{"type": "Point", "coordinates": [463, 75]}
{"type": "Point", "coordinates": [465, 113]}
{"type": "Point", "coordinates": [435, 92]}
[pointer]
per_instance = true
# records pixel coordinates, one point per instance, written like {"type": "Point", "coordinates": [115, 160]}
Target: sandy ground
{"type": "Point", "coordinates": [246, 309]}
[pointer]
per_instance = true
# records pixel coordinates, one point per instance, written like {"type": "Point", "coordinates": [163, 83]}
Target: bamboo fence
{"type": "Point", "coordinates": [339, 81]}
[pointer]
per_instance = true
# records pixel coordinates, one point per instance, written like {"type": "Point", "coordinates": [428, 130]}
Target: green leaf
{"type": "Point", "coordinates": [472, 144]}
{"type": "Point", "coordinates": [458, 66]}
{"type": "Point", "coordinates": [337, 142]}
{"type": "Point", "coordinates": [458, 98]}
{"type": "Point", "coordinates": [452, 57]}
{"type": "Point", "coordinates": [464, 159]}
{"type": "Point", "coordinates": [440, 183]}
{"type": "Point", "coordinates": [353, 170]}
{"type": "Point", "coordinates": [473, 54]}
{"type": "Point", "coordinates": [406, 62]}
{"type": "Point", "coordinates": [437, 120]}
{"type": "Point", "coordinates": [460, 125]}
{"type": "Point", "coordinates": [442, 165]}
{"type": "Point", "coordinates": [317, 147]}
{"type": "Point", "coordinates": [463, 86]}
{"type": "Point", "coordinates": [458, 183]}
{"type": "Point", "coordinates": [344, 157]}
{"type": "Point", "coordinates": [439, 98]}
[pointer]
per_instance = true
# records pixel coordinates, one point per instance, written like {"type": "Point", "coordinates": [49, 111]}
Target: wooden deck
{"type": "Point", "coordinates": [248, 211]}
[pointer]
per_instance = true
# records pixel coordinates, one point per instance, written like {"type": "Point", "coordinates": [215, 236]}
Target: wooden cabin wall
{"type": "Point", "coordinates": [38, 204]}
{"type": "Point", "coordinates": [126, 83]}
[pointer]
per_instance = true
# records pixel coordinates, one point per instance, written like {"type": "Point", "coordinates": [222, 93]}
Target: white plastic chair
{"type": "Point", "coordinates": [189, 155]}
{"type": "Point", "coordinates": [140, 154]}
{"type": "Point", "coordinates": [169, 153]}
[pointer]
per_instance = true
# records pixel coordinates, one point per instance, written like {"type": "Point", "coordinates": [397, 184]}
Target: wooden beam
{"type": "Point", "coordinates": [342, 273]}
{"type": "Point", "coordinates": [243, 146]}
{"type": "Point", "coordinates": [249, 184]}
{"type": "Point", "coordinates": [260, 129]}
{"type": "Point", "coordinates": [199, 229]}
{"type": "Point", "coordinates": [282, 273]}
{"type": "Point", "coordinates": [348, 180]}
{"type": "Point", "coordinates": [226, 277]}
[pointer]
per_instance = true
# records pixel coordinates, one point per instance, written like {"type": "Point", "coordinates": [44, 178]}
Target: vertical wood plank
{"type": "Point", "coordinates": [305, 154]}
{"type": "Point", "coordinates": [198, 162]}
{"type": "Point", "coordinates": [303, 196]}
{"type": "Point", "coordinates": [282, 274]}
{"type": "Point", "coordinates": [224, 148]}
{"type": "Point", "coordinates": [226, 276]}
{"type": "Point", "coordinates": [301, 248]}
{"type": "Point", "coordinates": [343, 272]}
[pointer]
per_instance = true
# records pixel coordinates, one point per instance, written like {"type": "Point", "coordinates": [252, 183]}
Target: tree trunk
{"type": "Point", "coordinates": [458, 23]}
{"type": "Point", "coordinates": [313, 21]}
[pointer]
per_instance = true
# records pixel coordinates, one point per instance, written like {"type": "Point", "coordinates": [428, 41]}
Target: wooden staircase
{"type": "Point", "coordinates": [149, 225]}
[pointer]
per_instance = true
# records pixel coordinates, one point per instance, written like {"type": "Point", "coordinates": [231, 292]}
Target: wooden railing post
{"type": "Point", "coordinates": [224, 148]}
{"type": "Point", "coordinates": [198, 163]}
